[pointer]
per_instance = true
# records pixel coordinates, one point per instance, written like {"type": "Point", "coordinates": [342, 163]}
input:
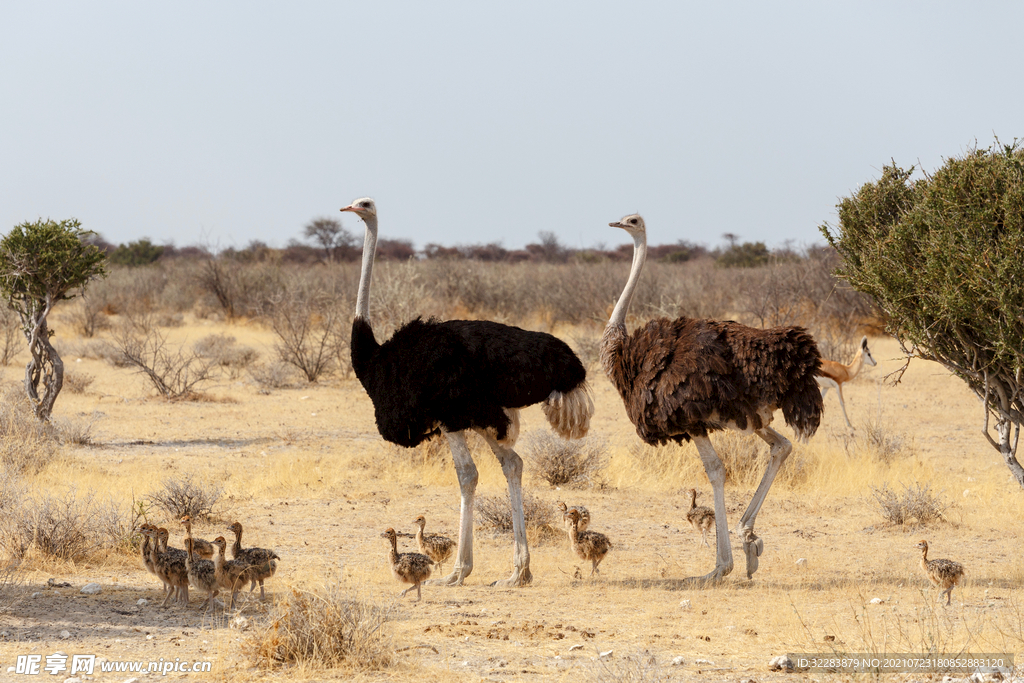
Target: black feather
{"type": "Point", "coordinates": [458, 374]}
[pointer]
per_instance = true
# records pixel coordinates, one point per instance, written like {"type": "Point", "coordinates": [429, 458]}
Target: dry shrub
{"type": "Point", "coordinates": [57, 526]}
{"type": "Point", "coordinates": [495, 512]}
{"type": "Point", "coordinates": [561, 462]}
{"type": "Point", "coordinates": [187, 496]}
{"type": "Point", "coordinates": [87, 315]}
{"type": "Point", "coordinates": [26, 443]}
{"type": "Point", "coordinates": [11, 577]}
{"type": "Point", "coordinates": [175, 374]}
{"type": "Point", "coordinates": [10, 335]}
{"type": "Point", "coordinates": [77, 382]}
{"type": "Point", "coordinates": [225, 354]}
{"type": "Point", "coordinates": [915, 502]}
{"type": "Point", "coordinates": [74, 432]}
{"type": "Point", "coordinates": [322, 630]}
{"type": "Point", "coordinates": [118, 524]}
{"type": "Point", "coordinates": [276, 375]}
{"type": "Point", "coordinates": [309, 326]}
{"type": "Point", "coordinates": [886, 445]}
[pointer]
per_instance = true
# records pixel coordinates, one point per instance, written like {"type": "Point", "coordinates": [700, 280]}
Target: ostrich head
{"type": "Point", "coordinates": [220, 542]}
{"type": "Point", "coordinates": [869, 360]}
{"type": "Point", "coordinates": [922, 545]}
{"type": "Point", "coordinates": [390, 534]}
{"type": "Point", "coordinates": [574, 515]}
{"type": "Point", "coordinates": [236, 527]}
{"type": "Point", "coordinates": [633, 224]}
{"type": "Point", "coordinates": [420, 521]}
{"type": "Point", "coordinates": [363, 208]}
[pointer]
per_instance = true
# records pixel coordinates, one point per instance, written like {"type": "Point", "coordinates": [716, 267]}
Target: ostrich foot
{"type": "Point", "coordinates": [753, 546]}
{"type": "Point", "coordinates": [519, 578]}
{"type": "Point", "coordinates": [717, 575]}
{"type": "Point", "coordinates": [456, 578]}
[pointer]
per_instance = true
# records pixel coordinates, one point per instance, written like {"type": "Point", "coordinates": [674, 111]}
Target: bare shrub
{"type": "Point", "coordinates": [309, 326]}
{"type": "Point", "coordinates": [10, 335]}
{"type": "Point", "coordinates": [72, 432]}
{"type": "Point", "coordinates": [495, 512]}
{"type": "Point", "coordinates": [886, 445]}
{"type": "Point", "coordinates": [11, 577]}
{"type": "Point", "coordinates": [88, 315]}
{"type": "Point", "coordinates": [174, 374]}
{"type": "Point", "coordinates": [399, 294]}
{"type": "Point", "coordinates": [588, 349]}
{"type": "Point", "coordinates": [320, 630]}
{"type": "Point", "coordinates": [562, 462]}
{"type": "Point", "coordinates": [27, 444]}
{"type": "Point", "coordinates": [117, 524]}
{"type": "Point", "coordinates": [915, 502]}
{"type": "Point", "coordinates": [77, 382]}
{"type": "Point", "coordinates": [187, 496]}
{"type": "Point", "coordinates": [58, 526]}
{"type": "Point", "coordinates": [225, 354]}
{"type": "Point", "coordinates": [276, 375]}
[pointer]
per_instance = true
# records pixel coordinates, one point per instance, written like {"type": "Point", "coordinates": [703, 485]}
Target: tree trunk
{"type": "Point", "coordinates": [1009, 450]}
{"type": "Point", "coordinates": [46, 366]}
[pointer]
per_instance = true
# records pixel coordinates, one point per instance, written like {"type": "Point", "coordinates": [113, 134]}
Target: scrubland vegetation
{"type": "Point", "coordinates": [220, 386]}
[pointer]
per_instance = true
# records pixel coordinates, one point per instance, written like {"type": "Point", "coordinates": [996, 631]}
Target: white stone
{"type": "Point", "coordinates": [802, 562]}
{"type": "Point", "coordinates": [704, 662]}
{"type": "Point", "coordinates": [575, 647]}
{"type": "Point", "coordinates": [240, 623]}
{"type": "Point", "coordinates": [64, 635]}
{"type": "Point", "coordinates": [91, 589]}
{"type": "Point", "coordinates": [132, 680]}
{"type": "Point", "coordinates": [877, 601]}
{"type": "Point", "coordinates": [76, 679]}
{"type": "Point", "coordinates": [142, 602]}
{"type": "Point", "coordinates": [685, 604]}
{"type": "Point", "coordinates": [37, 594]}
{"type": "Point", "coordinates": [678, 661]}
{"type": "Point", "coordinates": [606, 653]}
{"type": "Point", "coordinates": [781, 663]}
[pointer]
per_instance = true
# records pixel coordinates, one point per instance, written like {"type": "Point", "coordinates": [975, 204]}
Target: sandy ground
{"type": "Point", "coordinates": [305, 471]}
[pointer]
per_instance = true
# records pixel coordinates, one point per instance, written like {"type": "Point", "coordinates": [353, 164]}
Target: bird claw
{"type": "Point", "coordinates": [454, 579]}
{"type": "Point", "coordinates": [753, 546]}
{"type": "Point", "coordinates": [518, 579]}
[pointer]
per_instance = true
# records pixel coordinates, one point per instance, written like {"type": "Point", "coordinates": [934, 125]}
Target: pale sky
{"type": "Point", "coordinates": [219, 123]}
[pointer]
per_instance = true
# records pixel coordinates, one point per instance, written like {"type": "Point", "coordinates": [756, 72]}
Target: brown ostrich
{"type": "Point", "coordinates": [435, 546]}
{"type": "Point", "coordinates": [411, 568]}
{"type": "Point", "coordinates": [685, 378]}
{"type": "Point", "coordinates": [584, 514]}
{"type": "Point", "coordinates": [945, 574]}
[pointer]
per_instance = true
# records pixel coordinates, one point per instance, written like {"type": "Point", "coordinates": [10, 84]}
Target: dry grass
{"type": "Point", "coordinates": [916, 502]}
{"type": "Point", "coordinates": [187, 495]}
{"type": "Point", "coordinates": [326, 629]}
{"type": "Point", "coordinates": [561, 462]}
{"type": "Point", "coordinates": [26, 444]}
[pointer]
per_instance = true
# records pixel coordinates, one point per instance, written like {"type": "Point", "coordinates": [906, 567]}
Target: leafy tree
{"type": "Point", "coordinates": [746, 255]}
{"type": "Point", "coordinates": [332, 237]}
{"type": "Point", "coordinates": [943, 258]}
{"type": "Point", "coordinates": [139, 253]}
{"type": "Point", "coordinates": [42, 263]}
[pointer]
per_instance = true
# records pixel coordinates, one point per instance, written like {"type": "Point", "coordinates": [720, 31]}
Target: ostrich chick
{"type": "Point", "coordinates": [200, 546]}
{"type": "Point", "coordinates": [945, 574]}
{"type": "Point", "coordinates": [411, 568]}
{"type": "Point", "coordinates": [435, 546]}
{"type": "Point", "coordinates": [201, 573]}
{"type": "Point", "coordinates": [584, 516]}
{"type": "Point", "coordinates": [231, 574]}
{"type": "Point", "coordinates": [701, 518]}
{"type": "Point", "coordinates": [262, 560]}
{"type": "Point", "coordinates": [589, 545]}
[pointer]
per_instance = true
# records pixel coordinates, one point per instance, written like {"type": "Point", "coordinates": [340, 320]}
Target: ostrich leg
{"type": "Point", "coordinates": [512, 466]}
{"type": "Point", "coordinates": [780, 450]}
{"type": "Point", "coordinates": [466, 470]}
{"type": "Point", "coordinates": [716, 475]}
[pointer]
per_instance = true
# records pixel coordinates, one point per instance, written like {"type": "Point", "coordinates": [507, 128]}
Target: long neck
{"type": "Point", "coordinates": [394, 550]}
{"type": "Point", "coordinates": [238, 542]}
{"type": "Point", "coordinates": [419, 534]}
{"type": "Point", "coordinates": [693, 500]}
{"type": "Point", "coordinates": [618, 318]}
{"type": "Point", "coordinates": [369, 249]}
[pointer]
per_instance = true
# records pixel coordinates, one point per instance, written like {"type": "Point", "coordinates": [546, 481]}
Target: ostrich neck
{"type": "Point", "coordinates": [618, 318]}
{"type": "Point", "coordinates": [369, 248]}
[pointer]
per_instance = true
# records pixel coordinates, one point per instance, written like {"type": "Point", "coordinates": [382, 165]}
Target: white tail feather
{"type": "Point", "coordinates": [569, 414]}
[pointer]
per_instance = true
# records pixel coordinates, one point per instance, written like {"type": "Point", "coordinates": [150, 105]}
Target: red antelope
{"type": "Point", "coordinates": [833, 375]}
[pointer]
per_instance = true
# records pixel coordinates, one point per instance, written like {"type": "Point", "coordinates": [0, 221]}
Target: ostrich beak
{"type": "Point", "coordinates": [616, 224]}
{"type": "Point", "coordinates": [349, 208]}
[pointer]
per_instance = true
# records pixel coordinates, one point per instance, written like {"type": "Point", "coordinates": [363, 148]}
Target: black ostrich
{"type": "Point", "coordinates": [681, 379]}
{"type": "Point", "coordinates": [436, 377]}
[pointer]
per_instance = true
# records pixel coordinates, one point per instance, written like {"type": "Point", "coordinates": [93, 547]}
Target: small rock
{"type": "Point", "coordinates": [877, 601]}
{"type": "Point", "coordinates": [132, 680]}
{"type": "Point", "coordinates": [64, 635]}
{"type": "Point", "coordinates": [142, 602]}
{"type": "Point", "coordinates": [703, 662]}
{"type": "Point", "coordinates": [10, 669]}
{"type": "Point", "coordinates": [240, 623]}
{"type": "Point", "coordinates": [678, 661]}
{"type": "Point", "coordinates": [52, 583]}
{"type": "Point", "coordinates": [685, 604]}
{"type": "Point", "coordinates": [781, 663]}
{"type": "Point", "coordinates": [76, 679]}
{"type": "Point", "coordinates": [37, 594]}
{"type": "Point", "coordinates": [575, 647]}
{"type": "Point", "coordinates": [802, 562]}
{"type": "Point", "coordinates": [91, 589]}
{"type": "Point", "coordinates": [151, 636]}
{"type": "Point", "coordinates": [606, 653]}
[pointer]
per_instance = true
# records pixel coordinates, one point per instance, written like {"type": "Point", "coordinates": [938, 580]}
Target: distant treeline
{"type": "Point", "coordinates": [332, 243]}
